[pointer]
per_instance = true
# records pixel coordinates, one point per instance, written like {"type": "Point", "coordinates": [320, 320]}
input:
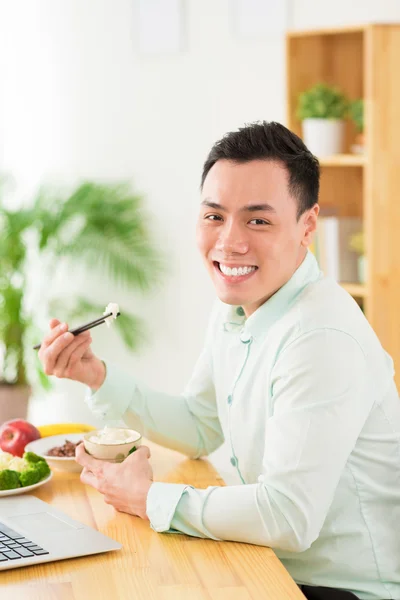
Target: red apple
{"type": "Point", "coordinates": [15, 434]}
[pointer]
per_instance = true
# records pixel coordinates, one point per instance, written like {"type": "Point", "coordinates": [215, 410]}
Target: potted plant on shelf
{"type": "Point", "coordinates": [356, 112]}
{"type": "Point", "coordinates": [322, 109]}
{"type": "Point", "coordinates": [356, 243]}
{"type": "Point", "coordinates": [101, 226]}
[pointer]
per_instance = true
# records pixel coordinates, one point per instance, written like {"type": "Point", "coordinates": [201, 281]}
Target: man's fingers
{"type": "Point", "coordinates": [89, 462]}
{"type": "Point", "coordinates": [83, 458]}
{"type": "Point", "coordinates": [89, 478]}
{"type": "Point", "coordinates": [65, 355]}
{"type": "Point", "coordinates": [50, 355]}
{"type": "Point", "coordinates": [77, 354]}
{"type": "Point", "coordinates": [56, 331]}
{"type": "Point", "coordinates": [145, 450]}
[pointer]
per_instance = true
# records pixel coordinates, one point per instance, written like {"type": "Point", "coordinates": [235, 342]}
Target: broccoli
{"type": "Point", "coordinates": [33, 458]}
{"type": "Point", "coordinates": [43, 468]}
{"type": "Point", "coordinates": [30, 476]}
{"type": "Point", "coordinates": [23, 471]}
{"type": "Point", "coordinates": [9, 480]}
{"type": "Point", "coordinates": [37, 470]}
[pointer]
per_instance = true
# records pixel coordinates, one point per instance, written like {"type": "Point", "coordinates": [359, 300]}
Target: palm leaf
{"type": "Point", "coordinates": [105, 227]}
{"type": "Point", "coordinates": [44, 381]}
{"type": "Point", "coordinates": [33, 366]}
{"type": "Point", "coordinates": [12, 243]}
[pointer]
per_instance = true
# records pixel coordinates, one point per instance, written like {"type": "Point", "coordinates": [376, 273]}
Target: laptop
{"type": "Point", "coordinates": [33, 532]}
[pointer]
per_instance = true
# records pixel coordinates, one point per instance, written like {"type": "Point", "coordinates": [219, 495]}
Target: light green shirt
{"type": "Point", "coordinates": [304, 395]}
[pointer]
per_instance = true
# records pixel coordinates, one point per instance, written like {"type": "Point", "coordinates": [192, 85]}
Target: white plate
{"type": "Point", "coordinates": [61, 463]}
{"type": "Point", "coordinates": [27, 488]}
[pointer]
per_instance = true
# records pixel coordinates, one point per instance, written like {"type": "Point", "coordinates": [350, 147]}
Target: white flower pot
{"type": "Point", "coordinates": [362, 269]}
{"type": "Point", "coordinates": [324, 137]}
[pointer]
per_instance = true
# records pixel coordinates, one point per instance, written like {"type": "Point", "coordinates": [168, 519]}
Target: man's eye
{"type": "Point", "coordinates": [260, 222]}
{"type": "Point", "coordinates": [213, 218]}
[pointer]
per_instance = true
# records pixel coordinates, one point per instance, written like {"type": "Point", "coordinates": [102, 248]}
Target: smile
{"type": "Point", "coordinates": [239, 272]}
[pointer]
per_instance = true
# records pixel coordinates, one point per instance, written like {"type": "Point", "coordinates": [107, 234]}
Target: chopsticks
{"type": "Point", "coordinates": [85, 326]}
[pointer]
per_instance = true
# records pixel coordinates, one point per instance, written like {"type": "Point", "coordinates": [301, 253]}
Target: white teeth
{"type": "Point", "coordinates": [236, 271]}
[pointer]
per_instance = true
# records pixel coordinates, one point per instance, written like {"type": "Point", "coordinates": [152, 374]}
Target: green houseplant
{"type": "Point", "coordinates": [357, 245]}
{"type": "Point", "coordinates": [322, 110]}
{"type": "Point", "coordinates": [356, 113]}
{"type": "Point", "coordinates": [100, 226]}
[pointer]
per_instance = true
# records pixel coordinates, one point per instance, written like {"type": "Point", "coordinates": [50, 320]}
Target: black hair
{"type": "Point", "coordinates": [271, 141]}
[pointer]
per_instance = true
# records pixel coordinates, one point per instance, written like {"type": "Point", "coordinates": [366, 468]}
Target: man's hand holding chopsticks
{"type": "Point", "coordinates": [67, 356]}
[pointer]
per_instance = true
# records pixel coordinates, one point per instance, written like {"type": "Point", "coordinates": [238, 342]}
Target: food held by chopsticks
{"type": "Point", "coordinates": [111, 312]}
{"type": "Point", "coordinates": [109, 315]}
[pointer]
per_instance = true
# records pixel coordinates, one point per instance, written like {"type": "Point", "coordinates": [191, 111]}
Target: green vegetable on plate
{"type": "Point", "coordinates": [9, 480]}
{"type": "Point", "coordinates": [18, 472]}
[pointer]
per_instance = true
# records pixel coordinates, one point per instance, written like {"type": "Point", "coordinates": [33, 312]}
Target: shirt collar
{"type": "Point", "coordinates": [269, 312]}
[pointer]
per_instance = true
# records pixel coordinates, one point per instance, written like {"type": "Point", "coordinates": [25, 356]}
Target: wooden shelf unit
{"type": "Point", "coordinates": [357, 290]}
{"type": "Point", "coordinates": [343, 160]}
{"type": "Point", "coordinates": [363, 62]}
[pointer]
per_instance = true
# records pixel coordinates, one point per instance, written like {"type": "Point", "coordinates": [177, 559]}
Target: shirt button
{"type": "Point", "coordinates": [240, 311]}
{"type": "Point", "coordinates": [245, 338]}
{"type": "Point", "coordinates": [230, 399]}
{"type": "Point", "coordinates": [233, 461]}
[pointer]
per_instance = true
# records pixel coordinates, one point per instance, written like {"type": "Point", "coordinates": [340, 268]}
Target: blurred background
{"type": "Point", "coordinates": [137, 92]}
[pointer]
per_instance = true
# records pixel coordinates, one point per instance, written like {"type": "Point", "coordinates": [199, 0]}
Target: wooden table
{"type": "Point", "coordinates": [150, 565]}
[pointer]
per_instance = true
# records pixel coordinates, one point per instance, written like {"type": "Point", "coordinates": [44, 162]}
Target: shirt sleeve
{"type": "Point", "coordinates": [321, 403]}
{"type": "Point", "coordinates": [188, 422]}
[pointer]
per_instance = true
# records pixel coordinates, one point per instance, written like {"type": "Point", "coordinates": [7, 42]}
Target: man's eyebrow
{"type": "Point", "coordinates": [257, 207]}
{"type": "Point", "coordinates": [248, 208]}
{"type": "Point", "coordinates": [213, 205]}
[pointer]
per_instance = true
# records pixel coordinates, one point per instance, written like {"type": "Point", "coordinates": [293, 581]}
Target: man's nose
{"type": "Point", "coordinates": [231, 240]}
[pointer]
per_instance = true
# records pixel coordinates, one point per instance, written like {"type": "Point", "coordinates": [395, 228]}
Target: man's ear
{"type": "Point", "coordinates": [310, 219]}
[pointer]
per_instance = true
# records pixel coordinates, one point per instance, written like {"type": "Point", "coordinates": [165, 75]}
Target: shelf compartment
{"type": "Point", "coordinates": [336, 59]}
{"type": "Point", "coordinates": [341, 191]}
{"type": "Point", "coordinates": [357, 290]}
{"type": "Point", "coordinates": [343, 160]}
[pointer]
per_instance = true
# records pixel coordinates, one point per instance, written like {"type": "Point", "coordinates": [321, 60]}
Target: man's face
{"type": "Point", "coordinates": [248, 233]}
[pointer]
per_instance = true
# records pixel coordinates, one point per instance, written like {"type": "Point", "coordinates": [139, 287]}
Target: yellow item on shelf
{"type": "Point", "coordinates": [59, 428]}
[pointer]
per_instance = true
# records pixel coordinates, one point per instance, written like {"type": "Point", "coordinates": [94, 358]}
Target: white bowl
{"type": "Point", "coordinates": [61, 463]}
{"type": "Point", "coordinates": [111, 452]}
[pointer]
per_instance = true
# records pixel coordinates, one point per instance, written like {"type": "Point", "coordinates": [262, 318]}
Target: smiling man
{"type": "Point", "coordinates": [291, 377]}
{"type": "Point", "coordinates": [252, 248]}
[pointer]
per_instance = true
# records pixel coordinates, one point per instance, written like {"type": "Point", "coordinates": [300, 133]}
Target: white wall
{"type": "Point", "coordinates": [307, 14]}
{"type": "Point", "coordinates": [79, 101]}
